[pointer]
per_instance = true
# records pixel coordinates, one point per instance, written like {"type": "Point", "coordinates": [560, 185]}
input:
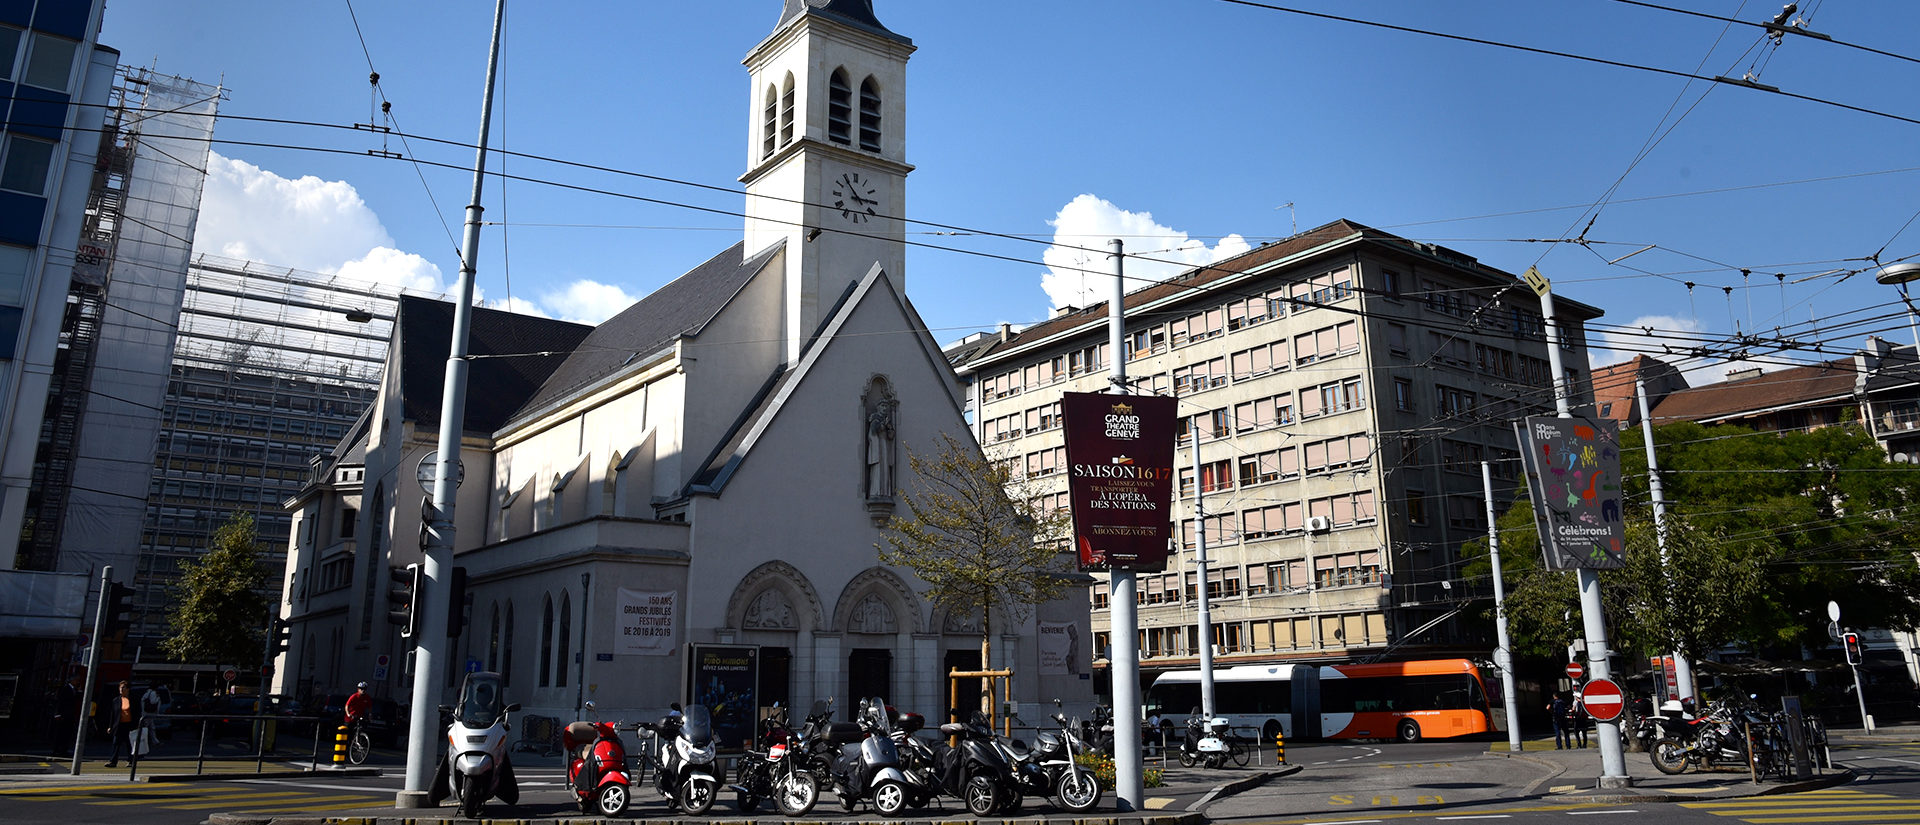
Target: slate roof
{"type": "Point", "coordinates": [495, 386]}
{"type": "Point", "coordinates": [680, 308]}
{"type": "Point", "coordinates": [856, 13]}
{"type": "Point", "coordinates": [1791, 387]}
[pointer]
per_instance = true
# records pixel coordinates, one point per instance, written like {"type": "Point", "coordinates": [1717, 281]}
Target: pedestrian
{"type": "Point", "coordinates": [67, 711]}
{"type": "Point", "coordinates": [1561, 711]}
{"type": "Point", "coordinates": [123, 714]}
{"type": "Point", "coordinates": [1580, 718]}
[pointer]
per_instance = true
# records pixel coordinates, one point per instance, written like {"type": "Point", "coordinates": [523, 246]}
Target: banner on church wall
{"type": "Point", "coordinates": [1120, 478]}
{"type": "Point", "coordinates": [726, 679]}
{"type": "Point", "coordinates": [646, 622]}
{"type": "Point", "coordinates": [1061, 653]}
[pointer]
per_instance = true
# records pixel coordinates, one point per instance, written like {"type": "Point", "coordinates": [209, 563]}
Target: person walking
{"type": "Point", "coordinates": [67, 712]}
{"type": "Point", "coordinates": [1580, 718]}
{"type": "Point", "coordinates": [124, 717]}
{"type": "Point", "coordinates": [1561, 710]}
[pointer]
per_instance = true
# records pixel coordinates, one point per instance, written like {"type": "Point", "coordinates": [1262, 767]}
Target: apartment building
{"type": "Point", "coordinates": [1342, 388]}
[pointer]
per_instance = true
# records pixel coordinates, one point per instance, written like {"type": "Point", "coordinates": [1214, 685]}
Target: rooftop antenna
{"type": "Point", "coordinates": [1293, 219]}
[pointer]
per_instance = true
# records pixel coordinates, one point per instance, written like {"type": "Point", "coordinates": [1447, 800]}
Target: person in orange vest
{"type": "Point", "coordinates": [124, 714]}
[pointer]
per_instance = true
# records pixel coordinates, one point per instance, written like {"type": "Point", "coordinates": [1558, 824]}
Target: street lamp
{"type": "Point", "coordinates": [1899, 275]}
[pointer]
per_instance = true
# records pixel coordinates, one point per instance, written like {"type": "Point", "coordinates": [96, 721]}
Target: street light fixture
{"type": "Point", "coordinates": [1899, 275]}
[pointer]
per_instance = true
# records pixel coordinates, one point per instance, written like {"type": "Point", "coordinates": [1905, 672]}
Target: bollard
{"type": "Point", "coordinates": [340, 746]}
{"type": "Point", "coordinates": [1280, 747]}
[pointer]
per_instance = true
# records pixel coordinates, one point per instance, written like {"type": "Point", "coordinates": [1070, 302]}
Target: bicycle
{"type": "Point", "coordinates": [1237, 749]}
{"type": "Point", "coordinates": [359, 742]}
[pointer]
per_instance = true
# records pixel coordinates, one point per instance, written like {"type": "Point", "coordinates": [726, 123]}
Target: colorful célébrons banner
{"type": "Point", "coordinates": [1120, 478]}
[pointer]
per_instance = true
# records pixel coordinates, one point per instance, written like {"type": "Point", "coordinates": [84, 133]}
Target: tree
{"type": "Point", "coordinates": [977, 536]}
{"type": "Point", "coordinates": [218, 610]}
{"type": "Point", "coordinates": [1763, 529]}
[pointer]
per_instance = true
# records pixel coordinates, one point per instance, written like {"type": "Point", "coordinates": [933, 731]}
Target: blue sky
{"type": "Point", "coordinates": [1187, 126]}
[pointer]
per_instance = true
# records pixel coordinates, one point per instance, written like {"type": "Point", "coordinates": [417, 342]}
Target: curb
{"type": "Point", "coordinates": [287, 774]}
{"type": "Point", "coordinates": [962, 819]}
{"type": "Point", "coordinates": [1238, 785]}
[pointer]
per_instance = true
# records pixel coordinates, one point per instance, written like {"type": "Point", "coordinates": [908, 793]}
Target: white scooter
{"type": "Point", "coordinates": [684, 750]}
{"type": "Point", "coordinates": [476, 767]}
{"type": "Point", "coordinates": [1202, 742]}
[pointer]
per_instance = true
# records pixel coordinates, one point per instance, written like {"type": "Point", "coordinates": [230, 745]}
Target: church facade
{"type": "Point", "coordinates": [683, 503]}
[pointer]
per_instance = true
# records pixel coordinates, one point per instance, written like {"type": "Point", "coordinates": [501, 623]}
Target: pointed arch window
{"type": "Point", "coordinates": [506, 648]}
{"type": "Point", "coordinates": [493, 640]}
{"type": "Point", "coordinates": [561, 638]}
{"type": "Point", "coordinates": [869, 115]}
{"type": "Point", "coordinates": [786, 111]}
{"type": "Point", "coordinates": [839, 108]}
{"type": "Point", "coordinates": [768, 133]}
{"type": "Point", "coordinates": [546, 642]}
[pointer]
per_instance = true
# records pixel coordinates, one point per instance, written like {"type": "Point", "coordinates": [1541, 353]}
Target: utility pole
{"type": "Point", "coordinates": [93, 668]}
{"type": "Point", "coordinates": [437, 550]}
{"type": "Point", "coordinates": [1613, 763]}
{"type": "Point", "coordinates": [1502, 656]}
{"type": "Point", "coordinates": [1129, 769]}
{"type": "Point", "coordinates": [1682, 669]}
{"type": "Point", "coordinates": [1206, 616]}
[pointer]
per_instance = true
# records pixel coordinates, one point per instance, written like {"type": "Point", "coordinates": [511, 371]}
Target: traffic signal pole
{"type": "Point", "coordinates": [437, 550]}
{"type": "Point", "coordinates": [93, 667]}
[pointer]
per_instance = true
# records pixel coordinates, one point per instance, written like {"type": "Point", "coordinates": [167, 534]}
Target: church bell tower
{"type": "Point", "coordinates": [826, 153]}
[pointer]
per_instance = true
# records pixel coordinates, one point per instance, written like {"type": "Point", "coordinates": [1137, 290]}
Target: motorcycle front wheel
{"type": "Point", "coordinates": [470, 805]}
{"type": "Point", "coordinates": [1186, 758]}
{"type": "Point", "coordinates": [982, 796]}
{"type": "Point", "coordinates": [695, 798]}
{"type": "Point", "coordinates": [889, 798]}
{"type": "Point", "coordinates": [746, 803]}
{"type": "Point", "coordinates": [612, 800]}
{"type": "Point", "coordinates": [1669, 757]}
{"type": "Point", "coordinates": [1079, 791]}
{"type": "Point", "coordinates": [796, 793]}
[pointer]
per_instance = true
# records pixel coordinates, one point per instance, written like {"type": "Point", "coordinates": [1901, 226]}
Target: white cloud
{"type": "Point", "coordinates": [588, 302]}
{"type": "Point", "coordinates": [386, 265]}
{"type": "Point", "coordinates": [520, 306]}
{"type": "Point", "coordinates": [1079, 269]}
{"type": "Point", "coordinates": [1667, 331]}
{"type": "Point", "coordinates": [306, 223]}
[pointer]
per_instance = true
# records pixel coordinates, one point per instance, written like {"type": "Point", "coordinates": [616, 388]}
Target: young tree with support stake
{"type": "Point", "coordinates": [974, 542]}
{"type": "Point", "coordinates": [217, 613]}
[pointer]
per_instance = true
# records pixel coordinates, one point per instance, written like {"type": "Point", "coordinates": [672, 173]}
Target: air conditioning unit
{"type": "Point", "coordinates": [1319, 524]}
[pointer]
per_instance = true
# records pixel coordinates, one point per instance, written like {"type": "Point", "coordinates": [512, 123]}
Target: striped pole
{"type": "Point", "coordinates": [340, 745]}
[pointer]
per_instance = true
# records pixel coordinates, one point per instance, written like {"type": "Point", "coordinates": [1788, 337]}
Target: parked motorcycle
{"type": "Point", "coordinates": [684, 750]}
{"type": "Point", "coordinates": [870, 769]}
{"type": "Point", "coordinates": [476, 767]}
{"type": "Point", "coordinates": [1048, 768]}
{"type": "Point", "coordinates": [777, 772]}
{"type": "Point", "coordinates": [1203, 743]}
{"type": "Point", "coordinates": [975, 770]}
{"type": "Point", "coordinates": [597, 766]}
{"type": "Point", "coordinates": [821, 739]}
{"type": "Point", "coordinates": [1713, 738]}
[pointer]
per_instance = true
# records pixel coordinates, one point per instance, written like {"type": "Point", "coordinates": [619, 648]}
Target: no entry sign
{"type": "Point", "coordinates": [1603, 700]}
{"type": "Point", "coordinates": [1575, 671]}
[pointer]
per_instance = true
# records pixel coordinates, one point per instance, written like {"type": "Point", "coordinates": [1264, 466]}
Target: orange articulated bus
{"type": "Point", "coordinates": [1408, 701]}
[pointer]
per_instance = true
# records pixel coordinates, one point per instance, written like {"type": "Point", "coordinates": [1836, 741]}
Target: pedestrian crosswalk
{"type": "Point", "coordinates": [238, 798]}
{"type": "Point", "coordinates": [1834, 805]}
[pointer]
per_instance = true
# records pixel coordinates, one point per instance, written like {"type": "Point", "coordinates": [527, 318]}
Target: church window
{"type": "Point", "coordinates": [506, 648]}
{"type": "Point", "coordinates": [546, 643]}
{"type": "Point", "coordinates": [869, 115]}
{"type": "Point", "coordinates": [839, 108]}
{"type": "Point", "coordinates": [562, 659]}
{"type": "Point", "coordinates": [767, 144]}
{"type": "Point", "coordinates": [786, 111]}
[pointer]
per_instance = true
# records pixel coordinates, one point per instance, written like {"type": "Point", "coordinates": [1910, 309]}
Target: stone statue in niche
{"type": "Point", "coordinates": [963, 622]}
{"type": "Point", "coordinates": [871, 615]}
{"type": "Point", "coordinates": [770, 610]}
{"type": "Point", "coordinates": [880, 449]}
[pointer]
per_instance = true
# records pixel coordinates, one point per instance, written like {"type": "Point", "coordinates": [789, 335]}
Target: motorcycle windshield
{"type": "Point", "coordinates": [877, 714]}
{"type": "Point", "coordinates": [482, 700]}
{"type": "Point", "coordinates": [697, 724]}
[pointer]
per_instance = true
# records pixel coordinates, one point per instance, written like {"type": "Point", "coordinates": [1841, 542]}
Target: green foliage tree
{"type": "Point", "coordinates": [1763, 529]}
{"type": "Point", "coordinates": [978, 536]}
{"type": "Point", "coordinates": [218, 610]}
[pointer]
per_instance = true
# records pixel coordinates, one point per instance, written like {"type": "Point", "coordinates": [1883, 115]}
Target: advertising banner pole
{"type": "Point", "coordinates": [1129, 770]}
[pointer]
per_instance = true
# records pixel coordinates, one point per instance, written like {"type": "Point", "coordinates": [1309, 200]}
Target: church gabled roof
{"type": "Point", "coordinates": [682, 307]}
{"type": "Point", "coordinates": [856, 13]}
{"type": "Point", "coordinates": [496, 386]}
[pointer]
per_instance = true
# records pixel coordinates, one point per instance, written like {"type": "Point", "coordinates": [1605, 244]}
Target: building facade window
{"type": "Point", "coordinates": [839, 108]}
{"type": "Point", "coordinates": [24, 167]}
{"type": "Point", "coordinates": [49, 62]}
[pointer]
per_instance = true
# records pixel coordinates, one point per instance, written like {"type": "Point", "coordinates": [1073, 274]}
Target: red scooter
{"type": "Point", "coordinates": [597, 766]}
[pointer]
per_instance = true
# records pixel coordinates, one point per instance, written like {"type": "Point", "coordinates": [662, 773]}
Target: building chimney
{"type": "Point", "coordinates": [1743, 373]}
{"type": "Point", "coordinates": [1064, 311]}
{"type": "Point", "coordinates": [1006, 333]}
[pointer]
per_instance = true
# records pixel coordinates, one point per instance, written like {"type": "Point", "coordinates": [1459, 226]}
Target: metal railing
{"type": "Point", "coordinates": [264, 726]}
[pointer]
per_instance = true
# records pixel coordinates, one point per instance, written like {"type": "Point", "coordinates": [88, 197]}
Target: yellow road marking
{"type": "Point", "coordinates": [370, 803]}
{"type": "Point", "coordinates": [1155, 803]}
{"type": "Point", "coordinates": [245, 800]}
{"type": "Point", "coordinates": [1844, 818]}
{"type": "Point", "coordinates": [197, 797]}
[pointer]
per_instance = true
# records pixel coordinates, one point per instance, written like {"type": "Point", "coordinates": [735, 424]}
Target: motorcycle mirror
{"type": "Point", "coordinates": [591, 705]}
{"type": "Point", "coordinates": [675, 706]}
{"type": "Point", "coordinates": [513, 708]}
{"type": "Point", "coordinates": [1056, 701]}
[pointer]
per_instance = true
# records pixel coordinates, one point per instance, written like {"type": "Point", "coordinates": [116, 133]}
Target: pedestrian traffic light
{"type": "Point", "coordinates": [1852, 642]}
{"type": "Point", "coordinates": [404, 598]}
{"type": "Point", "coordinates": [279, 632]}
{"type": "Point", "coordinates": [456, 602]}
{"type": "Point", "coordinates": [119, 608]}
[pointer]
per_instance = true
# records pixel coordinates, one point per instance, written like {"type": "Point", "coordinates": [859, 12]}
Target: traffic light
{"type": "Point", "coordinates": [456, 602]}
{"type": "Point", "coordinates": [1852, 642]}
{"type": "Point", "coordinates": [119, 608]}
{"type": "Point", "coordinates": [279, 632]}
{"type": "Point", "coordinates": [404, 598]}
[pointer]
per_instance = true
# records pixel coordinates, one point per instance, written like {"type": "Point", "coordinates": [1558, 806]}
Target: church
{"type": "Point", "coordinates": [682, 504]}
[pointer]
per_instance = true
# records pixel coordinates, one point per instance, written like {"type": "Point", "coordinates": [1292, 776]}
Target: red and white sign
{"type": "Point", "coordinates": [1575, 671]}
{"type": "Point", "coordinates": [231, 674]}
{"type": "Point", "coordinates": [1603, 700]}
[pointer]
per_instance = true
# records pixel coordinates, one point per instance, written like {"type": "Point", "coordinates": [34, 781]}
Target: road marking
{"type": "Point", "coordinates": [242, 800]}
{"type": "Point", "coordinates": [1615, 811]}
{"type": "Point", "coordinates": [1563, 788]}
{"type": "Point", "coordinates": [1348, 822]}
{"type": "Point", "coordinates": [1156, 802]}
{"type": "Point", "coordinates": [221, 795]}
{"type": "Point", "coordinates": [1475, 816]}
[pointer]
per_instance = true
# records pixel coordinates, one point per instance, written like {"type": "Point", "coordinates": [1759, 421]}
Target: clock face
{"type": "Point", "coordinates": [854, 197]}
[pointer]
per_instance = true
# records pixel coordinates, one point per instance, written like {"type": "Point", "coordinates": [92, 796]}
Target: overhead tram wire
{"type": "Point", "coordinates": [1618, 64]}
{"type": "Point", "coordinates": [1787, 29]}
{"type": "Point", "coordinates": [386, 109]}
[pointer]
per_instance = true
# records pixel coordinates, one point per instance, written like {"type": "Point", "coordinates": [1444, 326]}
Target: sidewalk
{"type": "Point", "coordinates": [1575, 773]}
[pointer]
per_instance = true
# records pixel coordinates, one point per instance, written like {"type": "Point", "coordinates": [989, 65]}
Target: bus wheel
{"type": "Point", "coordinates": [1270, 732]}
{"type": "Point", "coordinates": [1409, 731]}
